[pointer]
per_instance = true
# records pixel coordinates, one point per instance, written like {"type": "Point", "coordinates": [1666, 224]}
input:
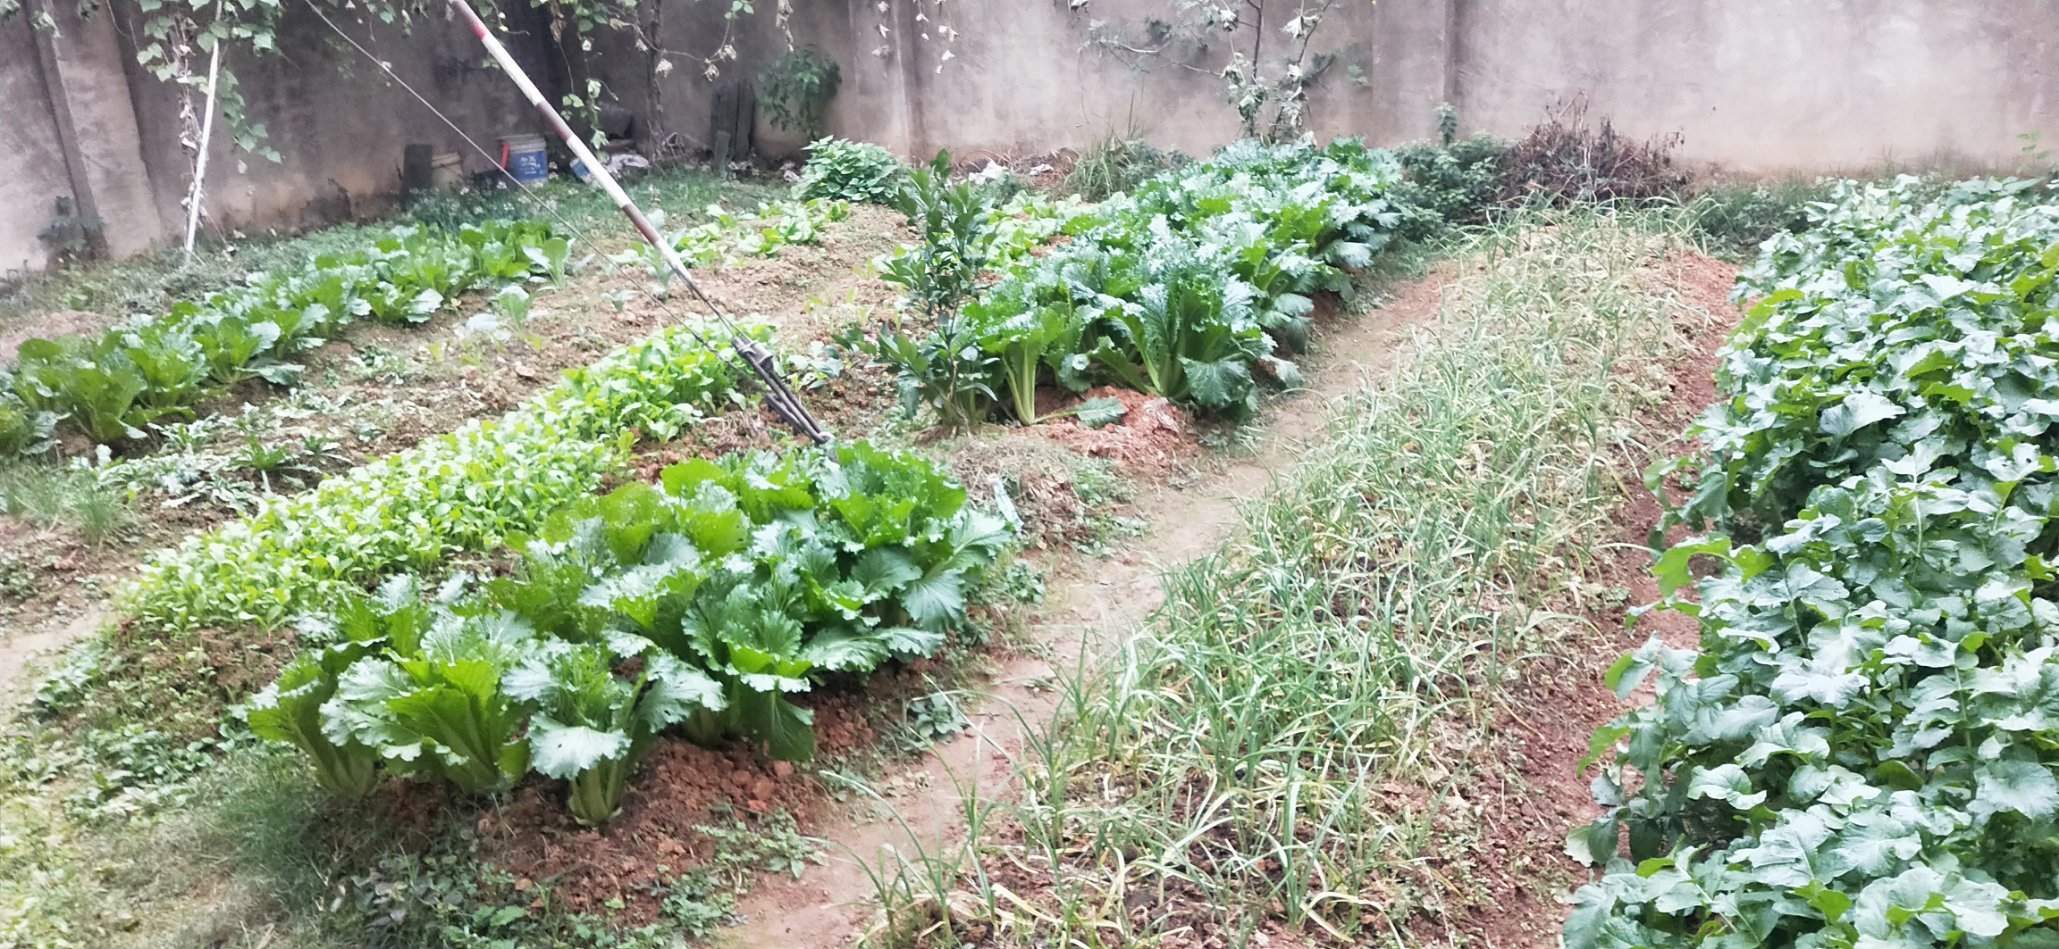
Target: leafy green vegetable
{"type": "Point", "coordinates": [591, 726]}
{"type": "Point", "coordinates": [442, 708]}
{"type": "Point", "coordinates": [941, 366]}
{"type": "Point", "coordinates": [111, 386]}
{"type": "Point", "coordinates": [1891, 334]}
{"type": "Point", "coordinates": [1860, 752]}
{"type": "Point", "coordinates": [1190, 336]}
{"type": "Point", "coordinates": [725, 237]}
{"type": "Point", "coordinates": [1193, 288]}
{"type": "Point", "coordinates": [17, 425]}
{"type": "Point", "coordinates": [850, 171]}
{"type": "Point", "coordinates": [709, 603]}
{"type": "Point", "coordinates": [468, 490]}
{"type": "Point", "coordinates": [290, 711]}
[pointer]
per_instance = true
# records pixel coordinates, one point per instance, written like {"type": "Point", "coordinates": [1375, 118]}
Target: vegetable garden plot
{"type": "Point", "coordinates": [1860, 752]}
{"type": "Point", "coordinates": [464, 491]}
{"type": "Point", "coordinates": [1245, 766]}
{"type": "Point", "coordinates": [655, 389]}
{"type": "Point", "coordinates": [704, 603]}
{"type": "Point", "coordinates": [110, 387]}
{"type": "Point", "coordinates": [1197, 288]}
{"type": "Point", "coordinates": [372, 392]}
{"type": "Point", "coordinates": [309, 552]}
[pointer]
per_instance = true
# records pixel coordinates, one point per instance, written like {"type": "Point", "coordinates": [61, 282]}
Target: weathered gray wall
{"type": "Point", "coordinates": [1754, 85]}
{"type": "Point", "coordinates": [34, 166]}
{"type": "Point", "coordinates": [1770, 85]}
{"type": "Point", "coordinates": [337, 122]}
{"type": "Point", "coordinates": [1757, 86]}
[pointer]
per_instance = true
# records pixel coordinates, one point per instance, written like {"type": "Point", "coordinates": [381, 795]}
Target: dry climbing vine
{"type": "Point", "coordinates": [1270, 95]}
{"type": "Point", "coordinates": [175, 36]}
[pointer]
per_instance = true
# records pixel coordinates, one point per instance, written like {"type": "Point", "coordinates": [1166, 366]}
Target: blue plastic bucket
{"type": "Point", "coordinates": [525, 158]}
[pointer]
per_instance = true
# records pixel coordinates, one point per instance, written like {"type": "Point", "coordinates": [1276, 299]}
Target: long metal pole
{"type": "Point", "coordinates": [777, 394]}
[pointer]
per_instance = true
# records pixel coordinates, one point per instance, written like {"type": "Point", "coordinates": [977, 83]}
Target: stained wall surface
{"type": "Point", "coordinates": [1753, 86]}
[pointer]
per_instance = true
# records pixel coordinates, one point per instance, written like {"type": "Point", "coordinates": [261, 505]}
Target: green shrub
{"type": "Point", "coordinates": [1116, 165]}
{"type": "Point", "coordinates": [17, 428]}
{"type": "Point", "coordinates": [1860, 753]}
{"type": "Point", "coordinates": [936, 277]}
{"type": "Point", "coordinates": [796, 89]}
{"type": "Point", "coordinates": [850, 171]}
{"type": "Point", "coordinates": [1732, 218]}
{"type": "Point", "coordinates": [1451, 182]}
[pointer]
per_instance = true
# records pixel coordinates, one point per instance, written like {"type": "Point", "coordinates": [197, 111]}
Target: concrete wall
{"type": "Point", "coordinates": [35, 168]}
{"type": "Point", "coordinates": [336, 120]}
{"type": "Point", "coordinates": [1773, 85]}
{"type": "Point", "coordinates": [83, 120]}
{"type": "Point", "coordinates": [1757, 86]}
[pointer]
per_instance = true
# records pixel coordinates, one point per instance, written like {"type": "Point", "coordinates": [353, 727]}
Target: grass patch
{"type": "Point", "coordinates": [253, 854]}
{"type": "Point", "coordinates": [680, 194]}
{"type": "Point", "coordinates": [56, 496]}
{"type": "Point", "coordinates": [1237, 765]}
{"type": "Point", "coordinates": [1117, 164]}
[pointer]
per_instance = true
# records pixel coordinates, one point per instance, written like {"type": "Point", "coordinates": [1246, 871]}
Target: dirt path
{"type": "Point", "coordinates": [831, 905]}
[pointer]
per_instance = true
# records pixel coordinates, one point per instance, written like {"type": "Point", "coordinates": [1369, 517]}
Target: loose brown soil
{"type": "Point", "coordinates": [1152, 437]}
{"type": "Point", "coordinates": [47, 325]}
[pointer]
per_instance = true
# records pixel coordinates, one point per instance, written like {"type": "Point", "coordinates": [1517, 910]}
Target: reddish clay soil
{"type": "Point", "coordinates": [680, 788]}
{"type": "Point", "coordinates": [1152, 437]}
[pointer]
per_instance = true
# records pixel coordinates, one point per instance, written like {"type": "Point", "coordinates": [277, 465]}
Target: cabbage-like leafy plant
{"type": "Point", "coordinates": [592, 726]}
{"type": "Point", "coordinates": [442, 708]}
{"type": "Point", "coordinates": [1194, 286]}
{"type": "Point", "coordinates": [289, 711]}
{"type": "Point", "coordinates": [709, 603]}
{"type": "Point", "coordinates": [850, 171]}
{"type": "Point", "coordinates": [113, 385]}
{"type": "Point", "coordinates": [1190, 335]}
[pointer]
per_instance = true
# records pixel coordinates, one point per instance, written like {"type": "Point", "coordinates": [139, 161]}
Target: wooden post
{"type": "Point", "coordinates": [193, 197]}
